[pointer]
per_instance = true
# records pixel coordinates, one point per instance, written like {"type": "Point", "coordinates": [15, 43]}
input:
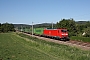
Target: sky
{"type": "Point", "coordinates": [43, 11]}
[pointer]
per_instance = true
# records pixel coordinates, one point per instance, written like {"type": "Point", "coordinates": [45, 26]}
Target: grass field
{"type": "Point", "coordinates": [22, 47]}
{"type": "Point", "coordinates": [84, 39]}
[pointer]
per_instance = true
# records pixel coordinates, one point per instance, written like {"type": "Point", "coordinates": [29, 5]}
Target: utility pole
{"type": "Point", "coordinates": [21, 28]}
{"type": "Point", "coordinates": [32, 28]}
{"type": "Point", "coordinates": [52, 25]}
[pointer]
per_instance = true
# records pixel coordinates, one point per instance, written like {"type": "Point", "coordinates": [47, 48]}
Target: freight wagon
{"type": "Point", "coordinates": [27, 30]}
{"type": "Point", "coordinates": [38, 31]}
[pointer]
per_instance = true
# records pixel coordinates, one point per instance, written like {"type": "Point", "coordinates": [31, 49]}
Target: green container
{"type": "Point", "coordinates": [38, 31]}
{"type": "Point", "coordinates": [27, 30]}
{"type": "Point", "coordinates": [30, 30]}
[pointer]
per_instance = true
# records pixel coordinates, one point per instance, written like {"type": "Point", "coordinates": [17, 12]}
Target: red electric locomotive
{"type": "Point", "coordinates": [60, 33]}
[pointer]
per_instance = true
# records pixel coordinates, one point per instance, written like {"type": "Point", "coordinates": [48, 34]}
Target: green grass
{"type": "Point", "coordinates": [84, 39]}
{"type": "Point", "coordinates": [22, 47]}
{"type": "Point", "coordinates": [59, 51]}
{"type": "Point", "coordinates": [13, 47]}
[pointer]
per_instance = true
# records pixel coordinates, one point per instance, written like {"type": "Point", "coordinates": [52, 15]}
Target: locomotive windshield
{"type": "Point", "coordinates": [63, 30]}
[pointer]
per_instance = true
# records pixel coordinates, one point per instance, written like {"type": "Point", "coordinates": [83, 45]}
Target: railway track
{"type": "Point", "coordinates": [73, 43]}
{"type": "Point", "coordinates": [84, 45]}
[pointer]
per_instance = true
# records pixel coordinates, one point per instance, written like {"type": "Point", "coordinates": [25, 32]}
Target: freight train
{"type": "Point", "coordinates": [60, 33]}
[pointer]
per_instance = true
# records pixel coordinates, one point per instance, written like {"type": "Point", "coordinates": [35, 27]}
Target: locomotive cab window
{"type": "Point", "coordinates": [63, 30]}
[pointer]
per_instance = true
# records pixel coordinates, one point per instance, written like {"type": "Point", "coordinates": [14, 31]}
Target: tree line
{"type": "Point", "coordinates": [6, 27]}
{"type": "Point", "coordinates": [74, 29]}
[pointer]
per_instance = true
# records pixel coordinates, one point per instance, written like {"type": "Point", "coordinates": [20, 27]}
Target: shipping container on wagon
{"type": "Point", "coordinates": [57, 33]}
{"type": "Point", "coordinates": [30, 30]}
{"type": "Point", "coordinates": [38, 31]}
{"type": "Point", "coordinates": [26, 30]}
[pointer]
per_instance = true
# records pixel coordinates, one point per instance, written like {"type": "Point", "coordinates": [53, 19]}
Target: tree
{"type": "Point", "coordinates": [0, 24]}
{"type": "Point", "coordinates": [0, 27]}
{"type": "Point", "coordinates": [69, 24]}
{"type": "Point", "coordinates": [6, 27]}
{"type": "Point", "coordinates": [88, 24]}
{"type": "Point", "coordinates": [87, 32]}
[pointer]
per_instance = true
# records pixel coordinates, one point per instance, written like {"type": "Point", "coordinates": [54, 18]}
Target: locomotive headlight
{"type": "Point", "coordinates": [66, 34]}
{"type": "Point", "coordinates": [62, 34]}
